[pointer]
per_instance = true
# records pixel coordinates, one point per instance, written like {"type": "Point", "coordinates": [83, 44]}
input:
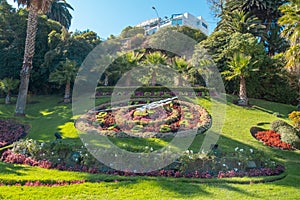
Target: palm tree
{"type": "Point", "coordinates": [154, 60]}
{"type": "Point", "coordinates": [290, 21]}
{"type": "Point", "coordinates": [181, 66]}
{"type": "Point", "coordinates": [34, 7]}
{"type": "Point", "coordinates": [64, 76]}
{"type": "Point", "coordinates": [268, 13]}
{"type": "Point", "coordinates": [60, 12]}
{"type": "Point", "coordinates": [129, 61]}
{"type": "Point", "coordinates": [8, 85]}
{"type": "Point", "coordinates": [239, 67]}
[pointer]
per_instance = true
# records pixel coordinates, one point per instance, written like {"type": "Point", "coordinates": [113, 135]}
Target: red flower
{"type": "Point", "coordinates": [272, 139]}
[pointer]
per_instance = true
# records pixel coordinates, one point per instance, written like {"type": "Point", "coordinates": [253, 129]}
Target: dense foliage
{"type": "Point", "coordinates": [53, 45]}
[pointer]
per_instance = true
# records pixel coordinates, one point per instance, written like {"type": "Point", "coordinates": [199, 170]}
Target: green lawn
{"type": "Point", "coordinates": [46, 116]}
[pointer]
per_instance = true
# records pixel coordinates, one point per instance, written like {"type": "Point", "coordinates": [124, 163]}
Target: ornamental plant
{"type": "Point", "coordinates": [272, 139]}
{"type": "Point", "coordinates": [295, 118]}
{"type": "Point", "coordinates": [10, 132]}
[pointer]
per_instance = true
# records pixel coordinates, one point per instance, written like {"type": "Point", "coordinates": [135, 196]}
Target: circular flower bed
{"type": "Point", "coordinates": [157, 119]}
{"type": "Point", "coordinates": [10, 132]}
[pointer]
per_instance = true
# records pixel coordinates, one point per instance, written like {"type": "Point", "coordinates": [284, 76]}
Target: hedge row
{"type": "Point", "coordinates": [151, 91]}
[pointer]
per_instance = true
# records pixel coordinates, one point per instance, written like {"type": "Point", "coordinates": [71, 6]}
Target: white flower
{"type": "Point", "coordinates": [58, 159]}
{"type": "Point", "coordinates": [116, 155]}
{"type": "Point", "coordinates": [251, 150]}
{"type": "Point", "coordinates": [239, 163]}
{"type": "Point", "coordinates": [241, 150]}
{"type": "Point", "coordinates": [236, 169]}
{"type": "Point", "coordinates": [52, 153]}
{"type": "Point", "coordinates": [236, 149]}
{"type": "Point", "coordinates": [146, 147]}
{"type": "Point", "coordinates": [191, 151]}
{"type": "Point", "coordinates": [86, 155]}
{"type": "Point", "coordinates": [224, 165]}
{"type": "Point", "coordinates": [190, 157]}
{"type": "Point", "coordinates": [187, 151]}
{"type": "Point", "coordinates": [151, 149]}
{"type": "Point", "coordinates": [42, 144]}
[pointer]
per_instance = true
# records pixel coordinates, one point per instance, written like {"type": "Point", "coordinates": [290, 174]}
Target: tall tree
{"type": "Point", "coordinates": [217, 6]}
{"type": "Point", "coordinates": [291, 22]}
{"type": "Point", "coordinates": [267, 12]}
{"type": "Point", "coordinates": [60, 11]}
{"type": "Point", "coordinates": [34, 7]}
{"type": "Point", "coordinates": [240, 21]}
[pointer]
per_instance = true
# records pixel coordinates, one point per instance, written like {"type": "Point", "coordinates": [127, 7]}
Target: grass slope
{"type": "Point", "coordinates": [46, 116]}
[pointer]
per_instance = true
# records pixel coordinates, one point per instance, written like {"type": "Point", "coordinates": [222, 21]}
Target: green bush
{"type": "Point", "coordinates": [28, 147]}
{"type": "Point", "coordinates": [279, 123]}
{"type": "Point", "coordinates": [289, 135]}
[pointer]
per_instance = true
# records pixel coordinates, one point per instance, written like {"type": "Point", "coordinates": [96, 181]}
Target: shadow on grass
{"type": "Point", "coordinates": [10, 169]}
{"type": "Point", "coordinates": [184, 189]}
{"type": "Point", "coordinates": [272, 108]}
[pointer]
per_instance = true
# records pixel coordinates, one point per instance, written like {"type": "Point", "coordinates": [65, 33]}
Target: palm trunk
{"type": "Point", "coordinates": [27, 62]}
{"type": "Point", "coordinates": [128, 78]}
{"type": "Point", "coordinates": [7, 99]}
{"type": "Point", "coordinates": [106, 79]}
{"type": "Point", "coordinates": [153, 80]}
{"type": "Point", "coordinates": [243, 95]}
{"type": "Point", "coordinates": [67, 92]}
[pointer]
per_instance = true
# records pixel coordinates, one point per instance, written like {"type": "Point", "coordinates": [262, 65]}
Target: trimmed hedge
{"type": "Point", "coordinates": [151, 91]}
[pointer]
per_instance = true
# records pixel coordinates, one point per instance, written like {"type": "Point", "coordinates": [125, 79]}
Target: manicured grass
{"type": "Point", "coordinates": [48, 116]}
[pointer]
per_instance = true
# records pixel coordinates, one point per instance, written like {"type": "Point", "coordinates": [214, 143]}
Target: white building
{"type": "Point", "coordinates": [185, 19]}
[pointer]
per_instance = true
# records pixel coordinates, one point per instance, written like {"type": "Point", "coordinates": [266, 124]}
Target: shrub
{"type": "Point", "coordinates": [289, 135]}
{"type": "Point", "coordinates": [278, 123]}
{"type": "Point", "coordinates": [10, 132]}
{"type": "Point", "coordinates": [26, 147]}
{"type": "Point", "coordinates": [295, 118]}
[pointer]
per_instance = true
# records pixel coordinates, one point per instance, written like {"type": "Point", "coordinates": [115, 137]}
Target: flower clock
{"type": "Point", "coordinates": [163, 118]}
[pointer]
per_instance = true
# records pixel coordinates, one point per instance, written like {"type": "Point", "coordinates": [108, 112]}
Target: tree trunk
{"type": "Point", "coordinates": [8, 99]}
{"type": "Point", "coordinates": [153, 79]}
{"type": "Point", "coordinates": [106, 80]}
{"type": "Point", "coordinates": [27, 62]}
{"type": "Point", "coordinates": [243, 101]}
{"type": "Point", "coordinates": [128, 79]}
{"type": "Point", "coordinates": [67, 92]}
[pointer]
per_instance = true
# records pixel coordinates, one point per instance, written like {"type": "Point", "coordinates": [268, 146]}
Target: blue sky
{"type": "Point", "coordinates": [110, 16]}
